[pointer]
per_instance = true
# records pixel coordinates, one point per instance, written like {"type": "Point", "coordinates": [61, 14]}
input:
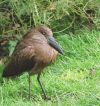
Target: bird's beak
{"type": "Point", "coordinates": [52, 42]}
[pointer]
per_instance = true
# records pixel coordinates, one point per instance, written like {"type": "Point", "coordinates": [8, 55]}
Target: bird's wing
{"type": "Point", "coordinates": [21, 61]}
{"type": "Point", "coordinates": [23, 52]}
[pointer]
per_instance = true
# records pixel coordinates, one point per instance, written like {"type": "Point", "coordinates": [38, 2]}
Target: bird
{"type": "Point", "coordinates": [35, 51]}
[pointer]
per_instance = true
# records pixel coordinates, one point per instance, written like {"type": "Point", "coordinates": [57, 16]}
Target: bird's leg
{"type": "Point", "coordinates": [45, 97]}
{"type": "Point", "coordinates": [29, 79]}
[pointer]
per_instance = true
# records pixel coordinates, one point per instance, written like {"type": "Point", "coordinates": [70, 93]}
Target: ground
{"type": "Point", "coordinates": [73, 80]}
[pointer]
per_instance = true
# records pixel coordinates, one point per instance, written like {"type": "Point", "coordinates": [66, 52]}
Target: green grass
{"type": "Point", "coordinates": [67, 81]}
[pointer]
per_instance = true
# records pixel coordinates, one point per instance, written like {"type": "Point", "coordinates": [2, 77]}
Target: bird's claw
{"type": "Point", "coordinates": [46, 98]}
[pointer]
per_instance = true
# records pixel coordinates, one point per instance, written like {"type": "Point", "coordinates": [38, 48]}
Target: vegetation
{"type": "Point", "coordinates": [61, 15]}
{"type": "Point", "coordinates": [74, 79]}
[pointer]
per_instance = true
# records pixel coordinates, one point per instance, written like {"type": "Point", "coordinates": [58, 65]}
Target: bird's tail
{"type": "Point", "coordinates": [11, 70]}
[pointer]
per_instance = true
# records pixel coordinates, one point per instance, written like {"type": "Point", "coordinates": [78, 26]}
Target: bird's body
{"type": "Point", "coordinates": [33, 53]}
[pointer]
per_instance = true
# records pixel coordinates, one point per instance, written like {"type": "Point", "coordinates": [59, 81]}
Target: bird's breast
{"type": "Point", "coordinates": [46, 54]}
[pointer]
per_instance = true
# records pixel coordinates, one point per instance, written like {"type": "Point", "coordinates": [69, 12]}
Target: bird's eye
{"type": "Point", "coordinates": [43, 33]}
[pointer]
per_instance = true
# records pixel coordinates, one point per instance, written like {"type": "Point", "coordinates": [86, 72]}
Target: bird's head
{"type": "Point", "coordinates": [47, 32]}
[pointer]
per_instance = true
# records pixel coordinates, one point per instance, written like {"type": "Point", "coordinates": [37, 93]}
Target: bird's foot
{"type": "Point", "coordinates": [46, 98]}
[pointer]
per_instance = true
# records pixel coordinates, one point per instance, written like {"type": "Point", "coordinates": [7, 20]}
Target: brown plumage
{"type": "Point", "coordinates": [33, 53]}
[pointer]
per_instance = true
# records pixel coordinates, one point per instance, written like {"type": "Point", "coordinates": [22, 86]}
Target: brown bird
{"type": "Point", "coordinates": [36, 50]}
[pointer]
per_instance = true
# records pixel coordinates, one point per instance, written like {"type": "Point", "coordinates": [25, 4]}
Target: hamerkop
{"type": "Point", "coordinates": [36, 50]}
